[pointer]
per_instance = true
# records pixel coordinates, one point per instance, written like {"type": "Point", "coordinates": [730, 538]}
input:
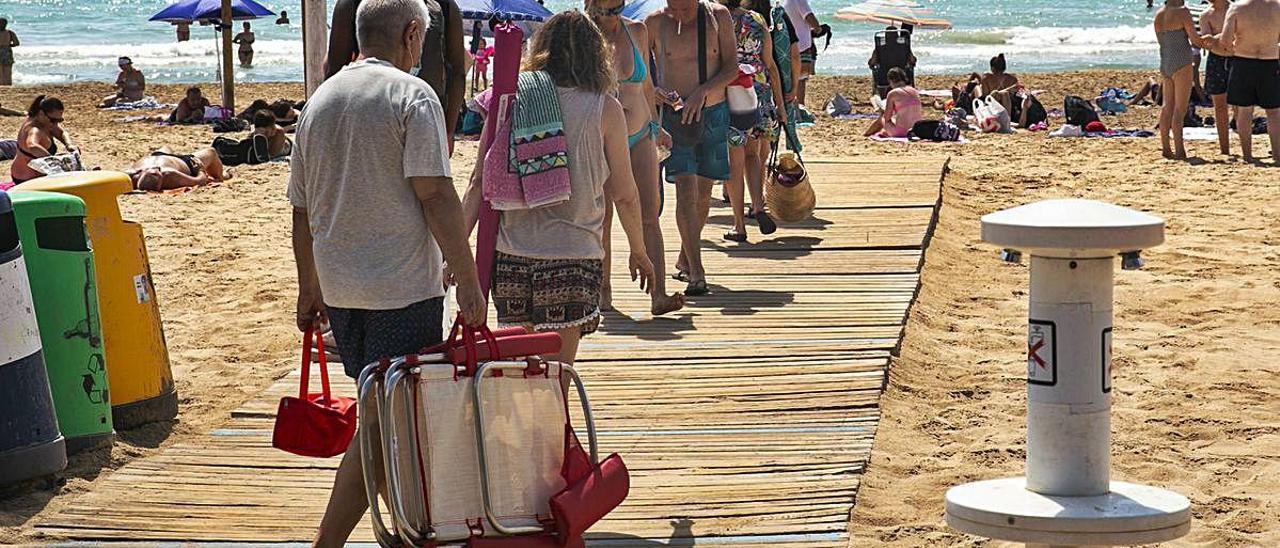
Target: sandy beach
{"type": "Point", "coordinates": [1197, 340]}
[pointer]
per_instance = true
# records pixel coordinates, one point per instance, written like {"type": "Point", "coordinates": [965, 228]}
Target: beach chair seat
{"type": "Point", "coordinates": [893, 49]}
{"type": "Point", "coordinates": [475, 442]}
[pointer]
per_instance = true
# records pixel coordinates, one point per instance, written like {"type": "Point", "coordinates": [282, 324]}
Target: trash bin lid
{"type": "Point", "coordinates": [35, 204]}
{"type": "Point", "coordinates": [93, 186]}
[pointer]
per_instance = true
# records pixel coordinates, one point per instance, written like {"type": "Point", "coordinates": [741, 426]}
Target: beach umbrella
{"type": "Point", "coordinates": [889, 12]}
{"type": "Point", "coordinates": [504, 10]}
{"type": "Point", "coordinates": [640, 9]}
{"type": "Point", "coordinates": [188, 11]}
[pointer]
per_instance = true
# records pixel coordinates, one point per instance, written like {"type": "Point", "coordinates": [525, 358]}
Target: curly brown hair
{"type": "Point", "coordinates": [571, 48]}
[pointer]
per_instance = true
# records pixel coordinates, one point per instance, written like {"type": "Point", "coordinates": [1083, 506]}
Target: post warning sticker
{"type": "Point", "coordinates": [1042, 353]}
{"type": "Point", "coordinates": [140, 288]}
{"type": "Point", "coordinates": [1106, 360]}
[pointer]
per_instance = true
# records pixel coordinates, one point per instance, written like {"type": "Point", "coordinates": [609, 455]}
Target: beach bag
{"type": "Point", "coordinates": [935, 130]}
{"type": "Point", "coordinates": [840, 106]}
{"type": "Point", "coordinates": [314, 425]}
{"type": "Point", "coordinates": [744, 104]}
{"type": "Point", "coordinates": [1079, 112]}
{"type": "Point", "coordinates": [788, 194]}
{"type": "Point", "coordinates": [991, 115]}
{"type": "Point", "coordinates": [251, 151]}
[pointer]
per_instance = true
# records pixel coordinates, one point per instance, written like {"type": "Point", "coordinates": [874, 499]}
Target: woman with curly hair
{"type": "Point", "coordinates": [548, 266]}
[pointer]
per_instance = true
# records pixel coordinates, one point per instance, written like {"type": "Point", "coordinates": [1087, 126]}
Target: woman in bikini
{"type": "Point", "coordinates": [1176, 33]}
{"type": "Point", "coordinates": [131, 85]}
{"type": "Point", "coordinates": [165, 170]}
{"type": "Point", "coordinates": [636, 93]}
{"type": "Point", "coordinates": [902, 108]}
{"type": "Point", "coordinates": [38, 137]}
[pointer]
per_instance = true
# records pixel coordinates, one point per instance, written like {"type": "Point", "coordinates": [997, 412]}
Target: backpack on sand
{"type": "Point", "coordinates": [1079, 111]}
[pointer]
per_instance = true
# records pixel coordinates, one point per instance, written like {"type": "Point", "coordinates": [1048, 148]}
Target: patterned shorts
{"type": "Point", "coordinates": [547, 294]}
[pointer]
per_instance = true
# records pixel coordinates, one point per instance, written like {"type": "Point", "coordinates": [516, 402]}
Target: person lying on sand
{"type": "Point", "coordinates": [165, 170]}
{"type": "Point", "coordinates": [190, 109]}
{"type": "Point", "coordinates": [9, 112]}
{"type": "Point", "coordinates": [264, 124]}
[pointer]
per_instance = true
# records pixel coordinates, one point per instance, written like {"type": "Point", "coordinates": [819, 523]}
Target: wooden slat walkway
{"type": "Point", "coordinates": [745, 419]}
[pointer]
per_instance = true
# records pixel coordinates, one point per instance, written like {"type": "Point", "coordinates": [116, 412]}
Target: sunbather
{"type": "Point", "coordinates": [190, 109]}
{"type": "Point", "coordinates": [902, 108]}
{"type": "Point", "coordinates": [264, 124]}
{"type": "Point", "coordinates": [165, 170]}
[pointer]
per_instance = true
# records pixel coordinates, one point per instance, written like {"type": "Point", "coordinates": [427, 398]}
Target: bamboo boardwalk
{"type": "Point", "coordinates": [746, 419]}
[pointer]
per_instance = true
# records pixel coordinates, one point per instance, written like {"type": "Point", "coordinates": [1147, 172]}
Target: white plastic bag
{"type": "Point", "coordinates": [992, 117]}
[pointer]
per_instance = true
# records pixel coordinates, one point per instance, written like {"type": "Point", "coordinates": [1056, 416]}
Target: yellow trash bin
{"type": "Point", "coordinates": [139, 376]}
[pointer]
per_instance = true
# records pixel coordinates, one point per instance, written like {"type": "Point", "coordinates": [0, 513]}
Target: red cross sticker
{"type": "Point", "coordinates": [1032, 352]}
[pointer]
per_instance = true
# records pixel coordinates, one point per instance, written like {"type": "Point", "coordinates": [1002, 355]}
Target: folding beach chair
{"type": "Point", "coordinates": [893, 49]}
{"type": "Point", "coordinates": [475, 442]}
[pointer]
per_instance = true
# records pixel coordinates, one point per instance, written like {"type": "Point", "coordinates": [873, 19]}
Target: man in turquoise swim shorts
{"type": "Point", "coordinates": [696, 53]}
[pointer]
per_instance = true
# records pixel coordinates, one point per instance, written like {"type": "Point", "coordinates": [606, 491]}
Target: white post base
{"type": "Point", "coordinates": [1130, 514]}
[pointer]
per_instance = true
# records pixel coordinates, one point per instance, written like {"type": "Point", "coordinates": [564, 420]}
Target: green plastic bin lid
{"type": "Point", "coordinates": [36, 204]}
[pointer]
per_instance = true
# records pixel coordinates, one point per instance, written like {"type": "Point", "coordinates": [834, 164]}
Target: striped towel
{"type": "Point", "coordinates": [539, 151]}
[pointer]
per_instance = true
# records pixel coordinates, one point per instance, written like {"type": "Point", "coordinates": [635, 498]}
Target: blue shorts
{"type": "Point", "coordinates": [708, 159]}
{"type": "Point", "coordinates": [366, 336]}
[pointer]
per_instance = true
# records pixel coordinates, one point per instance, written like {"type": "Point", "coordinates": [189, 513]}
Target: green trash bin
{"type": "Point", "coordinates": [56, 248]}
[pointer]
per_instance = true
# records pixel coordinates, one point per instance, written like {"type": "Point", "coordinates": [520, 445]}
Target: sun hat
{"type": "Point", "coordinates": [122, 61]}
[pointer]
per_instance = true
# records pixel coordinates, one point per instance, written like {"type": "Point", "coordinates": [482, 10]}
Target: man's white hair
{"type": "Point", "coordinates": [380, 23]}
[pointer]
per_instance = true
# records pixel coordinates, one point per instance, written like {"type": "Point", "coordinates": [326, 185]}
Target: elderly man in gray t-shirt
{"type": "Point", "coordinates": [375, 215]}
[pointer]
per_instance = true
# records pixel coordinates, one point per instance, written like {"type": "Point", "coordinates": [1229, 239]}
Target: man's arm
{"type": "Point", "coordinates": [456, 59]}
{"type": "Point", "coordinates": [728, 64]}
{"type": "Point", "coordinates": [1227, 40]}
{"type": "Point", "coordinates": [13, 40]}
{"type": "Point", "coordinates": [812, 21]}
{"type": "Point", "coordinates": [443, 213]}
{"type": "Point", "coordinates": [342, 38]}
{"type": "Point", "coordinates": [310, 300]}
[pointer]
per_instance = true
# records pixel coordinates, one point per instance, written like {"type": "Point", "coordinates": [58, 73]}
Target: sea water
{"type": "Point", "coordinates": [78, 40]}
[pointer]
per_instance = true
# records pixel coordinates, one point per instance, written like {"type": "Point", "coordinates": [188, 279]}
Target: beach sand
{"type": "Point", "coordinates": [1196, 342]}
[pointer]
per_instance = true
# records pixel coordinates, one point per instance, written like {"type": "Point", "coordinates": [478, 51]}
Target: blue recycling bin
{"type": "Point", "coordinates": [30, 443]}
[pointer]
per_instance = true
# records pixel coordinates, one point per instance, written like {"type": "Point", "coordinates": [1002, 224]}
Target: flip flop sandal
{"type": "Point", "coordinates": [697, 289]}
{"type": "Point", "coordinates": [767, 226]}
{"type": "Point", "coordinates": [739, 237]}
{"type": "Point", "coordinates": [751, 214]}
{"type": "Point", "coordinates": [681, 276]}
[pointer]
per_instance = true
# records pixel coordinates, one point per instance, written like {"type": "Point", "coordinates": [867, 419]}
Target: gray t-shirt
{"type": "Point", "coordinates": [363, 134]}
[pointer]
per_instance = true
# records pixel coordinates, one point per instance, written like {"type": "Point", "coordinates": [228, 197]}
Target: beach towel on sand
{"type": "Point", "coordinates": [146, 103]}
{"type": "Point", "coordinates": [538, 147]}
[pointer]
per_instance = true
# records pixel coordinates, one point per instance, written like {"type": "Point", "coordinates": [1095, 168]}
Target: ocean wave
{"type": "Point", "coordinates": [1047, 36]}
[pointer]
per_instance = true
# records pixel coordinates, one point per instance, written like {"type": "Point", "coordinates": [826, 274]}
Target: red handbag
{"type": "Point", "coordinates": [314, 425]}
{"type": "Point", "coordinates": [586, 501]}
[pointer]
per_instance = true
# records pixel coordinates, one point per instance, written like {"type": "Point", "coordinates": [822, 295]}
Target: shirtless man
{"type": "Point", "coordinates": [695, 166]}
{"type": "Point", "coordinates": [165, 170]}
{"type": "Point", "coordinates": [1252, 35]}
{"type": "Point", "coordinates": [245, 39]}
{"type": "Point", "coordinates": [1216, 70]}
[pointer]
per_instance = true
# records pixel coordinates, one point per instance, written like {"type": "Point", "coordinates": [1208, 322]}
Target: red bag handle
{"type": "Point", "coordinates": [470, 343]}
{"type": "Point", "coordinates": [306, 364]}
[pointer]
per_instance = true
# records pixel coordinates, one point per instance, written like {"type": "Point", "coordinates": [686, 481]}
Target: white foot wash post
{"type": "Point", "coordinates": [1067, 497]}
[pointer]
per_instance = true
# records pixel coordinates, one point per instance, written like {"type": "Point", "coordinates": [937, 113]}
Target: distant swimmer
{"type": "Point", "coordinates": [1252, 34]}
{"type": "Point", "coordinates": [8, 41]}
{"type": "Point", "coordinates": [245, 39]}
{"type": "Point", "coordinates": [283, 19]}
{"type": "Point", "coordinates": [184, 31]}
